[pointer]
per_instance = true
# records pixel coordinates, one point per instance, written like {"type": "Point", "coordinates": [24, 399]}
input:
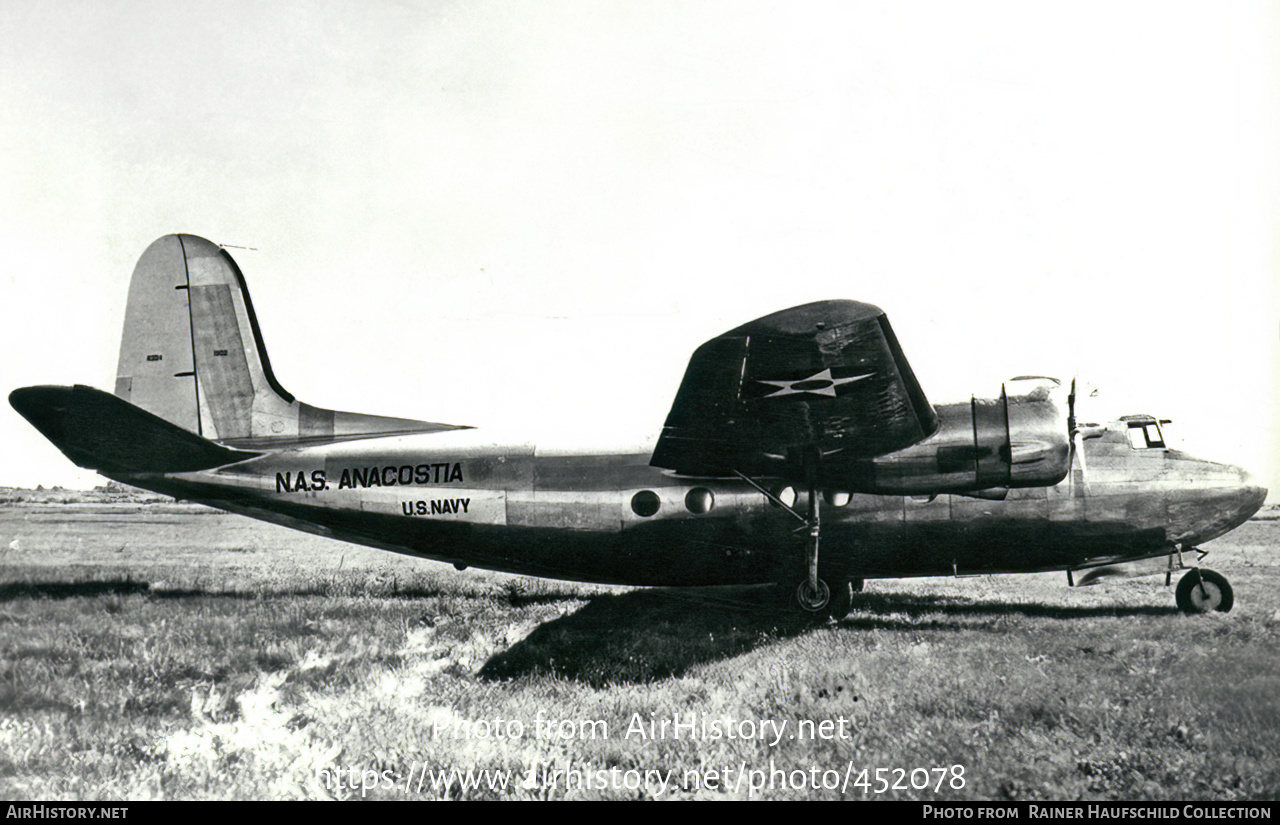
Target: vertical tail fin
{"type": "Point", "coordinates": [193, 355]}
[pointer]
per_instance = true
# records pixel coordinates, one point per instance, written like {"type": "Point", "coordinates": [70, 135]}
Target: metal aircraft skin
{"type": "Point", "coordinates": [799, 450]}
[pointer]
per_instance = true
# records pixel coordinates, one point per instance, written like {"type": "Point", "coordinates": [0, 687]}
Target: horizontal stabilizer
{"type": "Point", "coordinates": [99, 431]}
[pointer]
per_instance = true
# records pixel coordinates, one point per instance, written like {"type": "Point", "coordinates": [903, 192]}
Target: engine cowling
{"type": "Point", "coordinates": [1020, 438]}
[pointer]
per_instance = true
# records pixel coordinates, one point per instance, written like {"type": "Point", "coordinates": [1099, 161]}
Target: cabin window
{"type": "Point", "coordinates": [837, 498]}
{"type": "Point", "coordinates": [645, 503]}
{"type": "Point", "coordinates": [785, 495]}
{"type": "Point", "coordinates": [1143, 436]}
{"type": "Point", "coordinates": [699, 500]}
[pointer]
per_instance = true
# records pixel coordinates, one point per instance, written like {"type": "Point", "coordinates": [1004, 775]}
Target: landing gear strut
{"type": "Point", "coordinates": [1204, 591]}
{"type": "Point", "coordinates": [813, 595]}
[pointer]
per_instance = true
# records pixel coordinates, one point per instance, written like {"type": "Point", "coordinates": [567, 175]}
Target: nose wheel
{"type": "Point", "coordinates": [1204, 591]}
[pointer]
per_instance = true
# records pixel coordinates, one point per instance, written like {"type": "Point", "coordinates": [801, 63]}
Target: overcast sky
{"type": "Point", "coordinates": [528, 215]}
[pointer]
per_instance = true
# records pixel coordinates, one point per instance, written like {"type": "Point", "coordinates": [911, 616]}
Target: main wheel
{"type": "Point", "coordinates": [833, 601]}
{"type": "Point", "coordinates": [842, 598]}
{"type": "Point", "coordinates": [813, 600]}
{"type": "Point", "coordinates": [1204, 591]}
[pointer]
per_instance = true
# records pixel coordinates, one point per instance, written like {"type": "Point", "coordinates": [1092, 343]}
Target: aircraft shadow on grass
{"type": "Point", "coordinates": [11, 591]}
{"type": "Point", "coordinates": [651, 634]}
{"type": "Point", "coordinates": [647, 635]}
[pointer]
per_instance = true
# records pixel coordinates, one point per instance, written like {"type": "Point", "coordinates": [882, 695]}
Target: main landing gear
{"type": "Point", "coordinates": [832, 601]}
{"type": "Point", "coordinates": [1204, 591]}
{"type": "Point", "coordinates": [814, 595]}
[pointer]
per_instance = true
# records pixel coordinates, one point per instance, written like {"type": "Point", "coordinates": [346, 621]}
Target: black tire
{"type": "Point", "coordinates": [842, 598]}
{"type": "Point", "coordinates": [1204, 591]}
{"type": "Point", "coordinates": [833, 601]}
{"type": "Point", "coordinates": [811, 601]}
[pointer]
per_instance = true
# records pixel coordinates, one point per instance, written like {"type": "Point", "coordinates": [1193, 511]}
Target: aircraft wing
{"type": "Point", "coordinates": [828, 376]}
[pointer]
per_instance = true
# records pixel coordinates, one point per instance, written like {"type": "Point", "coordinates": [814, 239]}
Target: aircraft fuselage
{"type": "Point", "coordinates": [612, 518]}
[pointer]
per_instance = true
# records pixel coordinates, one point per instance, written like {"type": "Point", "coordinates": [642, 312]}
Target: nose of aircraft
{"type": "Point", "coordinates": [1220, 506]}
{"type": "Point", "coordinates": [1251, 496]}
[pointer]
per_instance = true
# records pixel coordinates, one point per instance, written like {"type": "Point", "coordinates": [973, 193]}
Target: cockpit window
{"type": "Point", "coordinates": [1143, 435]}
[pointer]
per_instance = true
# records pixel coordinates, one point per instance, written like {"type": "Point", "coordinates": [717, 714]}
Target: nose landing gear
{"type": "Point", "coordinates": [1204, 591]}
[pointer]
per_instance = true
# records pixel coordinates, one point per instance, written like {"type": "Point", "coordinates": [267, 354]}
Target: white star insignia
{"type": "Point", "coordinates": [820, 383]}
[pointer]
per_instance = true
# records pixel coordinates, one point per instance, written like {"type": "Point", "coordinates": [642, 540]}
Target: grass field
{"type": "Point", "coordinates": [166, 651]}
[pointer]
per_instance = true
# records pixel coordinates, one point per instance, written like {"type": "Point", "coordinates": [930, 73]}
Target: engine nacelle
{"type": "Point", "coordinates": [1021, 438]}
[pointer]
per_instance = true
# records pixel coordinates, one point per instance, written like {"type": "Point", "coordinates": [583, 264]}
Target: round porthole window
{"type": "Point", "coordinates": [699, 500]}
{"type": "Point", "coordinates": [645, 503]}
{"type": "Point", "coordinates": [787, 495]}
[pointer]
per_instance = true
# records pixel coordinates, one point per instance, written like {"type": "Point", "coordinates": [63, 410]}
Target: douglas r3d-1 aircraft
{"type": "Point", "coordinates": [799, 450]}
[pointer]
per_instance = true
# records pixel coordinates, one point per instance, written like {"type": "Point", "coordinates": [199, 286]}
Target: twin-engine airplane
{"type": "Point", "coordinates": [800, 450]}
